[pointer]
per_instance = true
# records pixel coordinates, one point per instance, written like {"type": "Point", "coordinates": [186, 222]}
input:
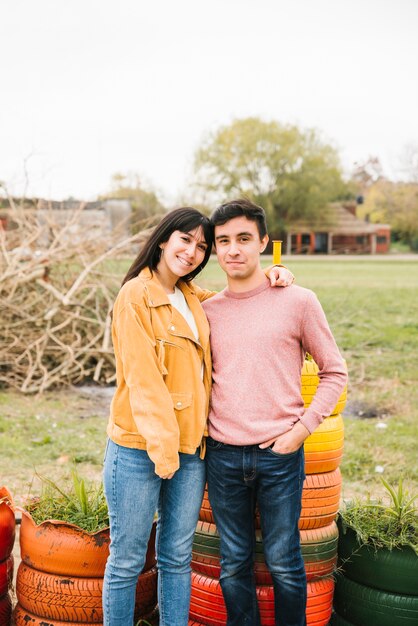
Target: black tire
{"type": "Point", "coordinates": [394, 570]}
{"type": "Point", "coordinates": [337, 620]}
{"type": "Point", "coordinates": [364, 605]}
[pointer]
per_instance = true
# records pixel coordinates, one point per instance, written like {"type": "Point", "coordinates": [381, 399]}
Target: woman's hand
{"type": "Point", "coordinates": [167, 476]}
{"type": "Point", "coordinates": [280, 276]}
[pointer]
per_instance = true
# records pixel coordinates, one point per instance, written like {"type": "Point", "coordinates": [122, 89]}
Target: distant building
{"type": "Point", "coordinates": [96, 219]}
{"type": "Point", "coordinates": [337, 231]}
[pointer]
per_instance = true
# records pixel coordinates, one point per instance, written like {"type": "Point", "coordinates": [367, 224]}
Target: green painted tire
{"type": "Point", "coordinates": [364, 605]}
{"type": "Point", "coordinates": [394, 570]}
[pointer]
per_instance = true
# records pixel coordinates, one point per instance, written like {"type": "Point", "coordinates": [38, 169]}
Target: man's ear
{"type": "Point", "coordinates": [264, 242]}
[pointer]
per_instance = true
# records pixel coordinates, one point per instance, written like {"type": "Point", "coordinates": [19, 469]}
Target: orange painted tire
{"type": "Point", "coordinates": [207, 605]}
{"type": "Point", "coordinates": [22, 617]}
{"type": "Point", "coordinates": [67, 550]}
{"type": "Point", "coordinates": [6, 610]}
{"type": "Point", "coordinates": [7, 524]}
{"type": "Point", "coordinates": [320, 499]}
{"type": "Point", "coordinates": [6, 575]}
{"type": "Point", "coordinates": [74, 599]}
{"type": "Point", "coordinates": [324, 448]}
{"type": "Point", "coordinates": [309, 384]}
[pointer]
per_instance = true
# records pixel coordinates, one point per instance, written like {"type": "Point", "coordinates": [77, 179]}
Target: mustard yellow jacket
{"type": "Point", "coordinates": [161, 402]}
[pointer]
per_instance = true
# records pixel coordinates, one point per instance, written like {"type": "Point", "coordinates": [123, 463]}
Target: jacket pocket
{"type": "Point", "coordinates": [181, 401]}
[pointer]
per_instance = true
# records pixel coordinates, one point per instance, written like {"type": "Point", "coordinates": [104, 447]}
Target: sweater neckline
{"type": "Point", "coordinates": [247, 294]}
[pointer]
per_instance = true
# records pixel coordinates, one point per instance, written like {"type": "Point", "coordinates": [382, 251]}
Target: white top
{"type": "Point", "coordinates": [178, 301]}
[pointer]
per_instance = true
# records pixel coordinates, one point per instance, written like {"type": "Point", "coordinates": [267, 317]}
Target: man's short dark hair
{"type": "Point", "coordinates": [238, 208]}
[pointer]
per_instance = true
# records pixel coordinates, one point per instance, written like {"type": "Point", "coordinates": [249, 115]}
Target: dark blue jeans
{"type": "Point", "coordinates": [239, 477]}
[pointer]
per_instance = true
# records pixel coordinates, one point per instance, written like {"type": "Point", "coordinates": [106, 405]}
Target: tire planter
{"type": "Point", "coordinates": [7, 524]}
{"type": "Point", "coordinates": [72, 598]}
{"type": "Point", "coordinates": [324, 448]}
{"type": "Point", "coordinates": [394, 570]}
{"type": "Point", "coordinates": [319, 552]}
{"type": "Point", "coordinates": [207, 605]}
{"type": "Point", "coordinates": [364, 605]}
{"type": "Point", "coordinates": [320, 499]}
{"type": "Point", "coordinates": [25, 618]}
{"type": "Point", "coordinates": [60, 578]}
{"type": "Point", "coordinates": [7, 538]}
{"type": "Point", "coordinates": [61, 548]}
{"type": "Point", "coordinates": [309, 384]}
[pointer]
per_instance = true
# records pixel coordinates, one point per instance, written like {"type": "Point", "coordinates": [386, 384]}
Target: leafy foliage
{"type": "Point", "coordinates": [290, 172]}
{"type": "Point", "coordinates": [389, 522]}
{"type": "Point", "coordinates": [81, 503]}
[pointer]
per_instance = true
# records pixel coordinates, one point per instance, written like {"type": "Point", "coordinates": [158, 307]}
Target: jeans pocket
{"type": "Point", "coordinates": [282, 455]}
{"type": "Point", "coordinates": [106, 449]}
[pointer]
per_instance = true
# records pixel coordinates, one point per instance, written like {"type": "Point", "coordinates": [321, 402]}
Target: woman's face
{"type": "Point", "coordinates": [183, 252]}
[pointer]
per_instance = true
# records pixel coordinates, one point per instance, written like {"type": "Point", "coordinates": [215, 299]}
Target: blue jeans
{"type": "Point", "coordinates": [239, 477]}
{"type": "Point", "coordinates": [134, 493]}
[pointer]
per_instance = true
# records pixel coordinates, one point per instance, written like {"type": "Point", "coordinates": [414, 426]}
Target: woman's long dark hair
{"type": "Point", "coordinates": [185, 220]}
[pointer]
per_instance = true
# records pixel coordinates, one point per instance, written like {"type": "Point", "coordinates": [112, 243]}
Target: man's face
{"type": "Point", "coordinates": [238, 247]}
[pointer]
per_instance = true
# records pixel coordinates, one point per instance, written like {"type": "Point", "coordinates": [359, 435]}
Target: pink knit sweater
{"type": "Point", "coordinates": [258, 340]}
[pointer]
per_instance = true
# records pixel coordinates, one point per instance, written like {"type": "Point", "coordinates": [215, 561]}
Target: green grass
{"type": "Point", "coordinates": [372, 307]}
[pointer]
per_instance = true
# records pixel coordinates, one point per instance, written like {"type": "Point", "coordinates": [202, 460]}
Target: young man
{"type": "Point", "coordinates": [257, 421]}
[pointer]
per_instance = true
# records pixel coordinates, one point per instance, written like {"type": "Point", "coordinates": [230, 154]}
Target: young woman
{"type": "Point", "coordinates": [154, 456]}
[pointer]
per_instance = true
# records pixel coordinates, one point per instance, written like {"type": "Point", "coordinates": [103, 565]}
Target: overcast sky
{"type": "Point", "coordinates": [94, 87]}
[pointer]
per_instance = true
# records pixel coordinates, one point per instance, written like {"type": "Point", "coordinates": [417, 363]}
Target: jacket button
{"type": "Point", "coordinates": [172, 328]}
{"type": "Point", "coordinates": [178, 404]}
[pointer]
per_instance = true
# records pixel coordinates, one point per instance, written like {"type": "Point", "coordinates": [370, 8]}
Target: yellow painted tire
{"type": "Point", "coordinates": [324, 448]}
{"type": "Point", "coordinates": [309, 384]}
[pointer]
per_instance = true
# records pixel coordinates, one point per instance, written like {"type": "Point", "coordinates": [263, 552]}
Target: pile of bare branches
{"type": "Point", "coordinates": [57, 287]}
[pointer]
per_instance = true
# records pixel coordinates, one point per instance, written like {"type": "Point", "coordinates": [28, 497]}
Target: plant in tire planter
{"type": "Point", "coordinates": [64, 540]}
{"type": "Point", "coordinates": [378, 556]}
{"type": "Point", "coordinates": [7, 538]}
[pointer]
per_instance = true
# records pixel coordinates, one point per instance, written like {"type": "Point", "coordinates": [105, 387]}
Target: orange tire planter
{"type": "Point", "coordinates": [72, 598]}
{"type": "Point", "coordinates": [324, 448]}
{"type": "Point", "coordinates": [207, 606]}
{"type": "Point", "coordinates": [7, 524]}
{"type": "Point", "coordinates": [320, 499]}
{"type": "Point", "coordinates": [65, 549]}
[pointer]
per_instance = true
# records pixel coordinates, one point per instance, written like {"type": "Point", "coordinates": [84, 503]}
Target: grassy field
{"type": "Point", "coordinates": [372, 307]}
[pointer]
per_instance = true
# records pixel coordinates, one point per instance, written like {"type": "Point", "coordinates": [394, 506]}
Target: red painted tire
{"type": "Point", "coordinates": [7, 524]}
{"type": "Point", "coordinates": [320, 499]}
{"type": "Point", "coordinates": [67, 550]}
{"type": "Point", "coordinates": [74, 599]}
{"type": "Point", "coordinates": [6, 610]}
{"type": "Point", "coordinates": [6, 575]}
{"type": "Point", "coordinates": [207, 605]}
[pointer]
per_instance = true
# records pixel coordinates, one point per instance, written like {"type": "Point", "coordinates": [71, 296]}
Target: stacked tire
{"type": "Point", "coordinates": [375, 586]}
{"type": "Point", "coordinates": [318, 529]}
{"type": "Point", "coordinates": [60, 579]}
{"type": "Point", "coordinates": [7, 538]}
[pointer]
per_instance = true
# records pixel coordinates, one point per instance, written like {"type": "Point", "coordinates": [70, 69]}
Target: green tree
{"type": "Point", "coordinates": [144, 201]}
{"type": "Point", "coordinates": [292, 173]}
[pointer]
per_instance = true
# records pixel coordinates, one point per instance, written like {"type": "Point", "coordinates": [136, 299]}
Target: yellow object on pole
{"type": "Point", "coordinates": [277, 252]}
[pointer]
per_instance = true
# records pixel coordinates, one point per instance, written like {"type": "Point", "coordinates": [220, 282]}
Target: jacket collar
{"type": "Point", "coordinates": [156, 294]}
